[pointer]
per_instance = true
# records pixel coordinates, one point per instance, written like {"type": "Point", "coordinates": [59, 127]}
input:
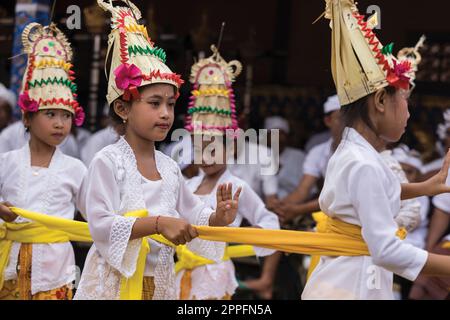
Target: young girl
{"type": "Point", "coordinates": [212, 79]}
{"type": "Point", "coordinates": [130, 175]}
{"type": "Point", "coordinates": [361, 195]}
{"type": "Point", "coordinates": [39, 177]}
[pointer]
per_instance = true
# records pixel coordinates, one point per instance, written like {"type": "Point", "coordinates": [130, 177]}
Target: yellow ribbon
{"type": "Point", "coordinates": [325, 224]}
{"type": "Point", "coordinates": [341, 239]}
{"type": "Point", "coordinates": [24, 233]}
{"type": "Point", "coordinates": [51, 229]}
{"type": "Point", "coordinates": [188, 260]}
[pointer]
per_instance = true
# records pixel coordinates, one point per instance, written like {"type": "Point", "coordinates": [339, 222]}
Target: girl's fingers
{"type": "Point", "coordinates": [446, 164]}
{"type": "Point", "coordinates": [7, 204]}
{"type": "Point", "coordinates": [223, 192]}
{"type": "Point", "coordinates": [237, 194]}
{"type": "Point", "coordinates": [219, 193]}
{"type": "Point", "coordinates": [193, 232]}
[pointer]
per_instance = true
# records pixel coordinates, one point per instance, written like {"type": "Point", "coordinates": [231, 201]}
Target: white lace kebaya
{"type": "Point", "coordinates": [113, 187]}
{"type": "Point", "coordinates": [52, 191]}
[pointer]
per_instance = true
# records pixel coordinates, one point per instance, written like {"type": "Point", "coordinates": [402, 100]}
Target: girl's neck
{"type": "Point", "coordinates": [140, 146]}
{"type": "Point", "coordinates": [41, 153]}
{"type": "Point", "coordinates": [209, 182]}
{"type": "Point", "coordinates": [215, 176]}
{"type": "Point", "coordinates": [370, 136]}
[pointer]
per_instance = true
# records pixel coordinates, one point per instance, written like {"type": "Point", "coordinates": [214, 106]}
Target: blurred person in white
{"type": "Point", "coordinates": [181, 152]}
{"type": "Point", "coordinates": [7, 103]}
{"type": "Point", "coordinates": [411, 165]}
{"type": "Point", "coordinates": [314, 168]}
{"type": "Point", "coordinates": [102, 138]}
{"type": "Point", "coordinates": [437, 241]}
{"type": "Point", "coordinates": [443, 144]}
{"type": "Point", "coordinates": [406, 165]}
{"type": "Point", "coordinates": [291, 159]}
{"type": "Point", "coordinates": [265, 185]}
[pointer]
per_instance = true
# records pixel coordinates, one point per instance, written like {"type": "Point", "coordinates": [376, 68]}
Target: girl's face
{"type": "Point", "coordinates": [334, 123]}
{"type": "Point", "coordinates": [393, 122]}
{"type": "Point", "coordinates": [213, 157]}
{"type": "Point", "coordinates": [50, 126]}
{"type": "Point", "coordinates": [151, 117]}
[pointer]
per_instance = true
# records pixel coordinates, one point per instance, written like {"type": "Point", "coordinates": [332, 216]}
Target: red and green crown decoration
{"type": "Point", "coordinates": [398, 73]}
{"type": "Point", "coordinates": [212, 105]}
{"type": "Point", "coordinates": [135, 60]}
{"type": "Point", "coordinates": [48, 81]}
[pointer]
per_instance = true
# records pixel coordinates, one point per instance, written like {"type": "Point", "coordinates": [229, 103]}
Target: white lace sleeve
{"type": "Point", "coordinates": [196, 212]}
{"type": "Point", "coordinates": [123, 253]}
{"type": "Point", "coordinates": [110, 231]}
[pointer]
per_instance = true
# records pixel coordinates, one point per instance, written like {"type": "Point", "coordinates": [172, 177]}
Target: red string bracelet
{"type": "Point", "coordinates": [156, 224]}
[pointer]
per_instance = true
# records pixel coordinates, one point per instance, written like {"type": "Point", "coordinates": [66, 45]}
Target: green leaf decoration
{"type": "Point", "coordinates": [387, 50]}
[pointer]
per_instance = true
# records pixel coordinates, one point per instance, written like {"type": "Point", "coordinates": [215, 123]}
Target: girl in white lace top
{"type": "Point", "coordinates": [218, 280]}
{"type": "Point", "coordinates": [38, 176]}
{"type": "Point", "coordinates": [131, 175]}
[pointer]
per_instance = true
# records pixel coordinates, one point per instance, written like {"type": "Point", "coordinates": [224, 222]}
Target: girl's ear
{"type": "Point", "coordinates": [380, 100]}
{"type": "Point", "coordinates": [122, 109]}
{"type": "Point", "coordinates": [26, 120]}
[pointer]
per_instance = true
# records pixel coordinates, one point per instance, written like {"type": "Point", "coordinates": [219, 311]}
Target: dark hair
{"type": "Point", "coordinates": [358, 110]}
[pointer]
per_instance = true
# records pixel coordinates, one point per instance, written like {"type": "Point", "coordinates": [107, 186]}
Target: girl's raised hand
{"type": "Point", "coordinates": [227, 205]}
{"type": "Point", "coordinates": [437, 183]}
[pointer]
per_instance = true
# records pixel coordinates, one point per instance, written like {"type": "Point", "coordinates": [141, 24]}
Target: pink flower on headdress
{"type": "Point", "coordinates": [79, 116]}
{"type": "Point", "coordinates": [27, 104]}
{"type": "Point", "coordinates": [128, 76]}
{"type": "Point", "coordinates": [398, 75]}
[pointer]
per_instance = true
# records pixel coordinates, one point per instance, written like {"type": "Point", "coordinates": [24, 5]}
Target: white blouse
{"type": "Point", "coordinates": [214, 281]}
{"type": "Point", "coordinates": [360, 189]}
{"type": "Point", "coordinates": [51, 191]}
{"type": "Point", "coordinates": [113, 187]}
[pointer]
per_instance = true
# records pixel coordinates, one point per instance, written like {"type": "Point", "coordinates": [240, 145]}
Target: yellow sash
{"type": "Point", "coordinates": [24, 233]}
{"type": "Point", "coordinates": [325, 224]}
{"type": "Point", "coordinates": [342, 240]}
{"type": "Point", "coordinates": [188, 260]}
{"type": "Point", "coordinates": [51, 229]}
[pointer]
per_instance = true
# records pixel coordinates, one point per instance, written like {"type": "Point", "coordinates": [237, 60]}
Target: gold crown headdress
{"type": "Point", "coordinates": [360, 64]}
{"type": "Point", "coordinates": [135, 60]}
{"type": "Point", "coordinates": [48, 79]}
{"type": "Point", "coordinates": [212, 108]}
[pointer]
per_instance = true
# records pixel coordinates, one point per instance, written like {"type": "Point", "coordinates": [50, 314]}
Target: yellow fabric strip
{"type": "Point", "coordinates": [325, 224]}
{"type": "Point", "coordinates": [24, 233]}
{"type": "Point", "coordinates": [341, 239]}
{"type": "Point", "coordinates": [188, 260]}
{"type": "Point", "coordinates": [51, 229]}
